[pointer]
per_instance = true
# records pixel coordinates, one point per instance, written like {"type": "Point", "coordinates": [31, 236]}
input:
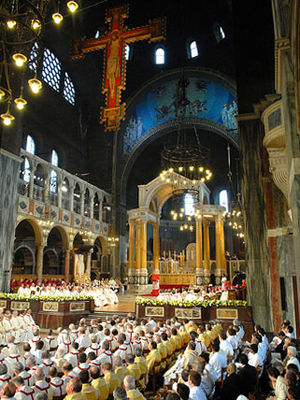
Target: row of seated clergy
{"type": "Point", "coordinates": [20, 325]}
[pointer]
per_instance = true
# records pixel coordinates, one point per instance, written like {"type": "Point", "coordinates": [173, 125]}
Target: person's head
{"type": "Point", "coordinates": [216, 346]}
{"type": "Point", "coordinates": [18, 381]}
{"type": "Point", "coordinates": [118, 362]}
{"type": "Point", "coordinates": [138, 351]}
{"type": "Point", "coordinates": [95, 372]}
{"type": "Point", "coordinates": [290, 379]}
{"type": "Point", "coordinates": [82, 358]}
{"type": "Point", "coordinates": [243, 359]}
{"type": "Point", "coordinates": [254, 348]}
{"type": "Point", "coordinates": [17, 368]}
{"type": "Point", "coordinates": [26, 347]}
{"type": "Point", "coordinates": [120, 393]}
{"type": "Point", "coordinates": [45, 354]}
{"type": "Point", "coordinates": [293, 393]}
{"type": "Point", "coordinates": [292, 367]}
{"type": "Point", "coordinates": [273, 374]}
{"type": "Point", "coordinates": [194, 378]}
{"type": "Point", "coordinates": [183, 391]}
{"type": "Point", "coordinates": [231, 368]}
{"type": "Point", "coordinates": [291, 351]}
{"type": "Point", "coordinates": [39, 374]}
{"type": "Point", "coordinates": [74, 386]}
{"type": "Point", "coordinates": [130, 359]}
{"type": "Point", "coordinates": [152, 345]}
{"type": "Point", "coordinates": [8, 390]}
{"type": "Point", "coordinates": [41, 396]}
{"type": "Point", "coordinates": [192, 346]}
{"type": "Point", "coordinates": [129, 382]}
{"type": "Point", "coordinates": [30, 362]}
{"type": "Point", "coordinates": [39, 345]}
{"type": "Point", "coordinates": [84, 376]}
{"type": "Point", "coordinates": [105, 345]}
{"type": "Point", "coordinates": [52, 372]}
{"type": "Point", "coordinates": [172, 396]}
{"type": "Point", "coordinates": [106, 367]}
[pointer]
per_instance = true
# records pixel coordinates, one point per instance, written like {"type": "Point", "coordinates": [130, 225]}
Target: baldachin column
{"type": "Point", "coordinates": [206, 271]}
{"type": "Point", "coordinates": [155, 248]}
{"type": "Point", "coordinates": [220, 249]}
{"type": "Point", "coordinates": [39, 262]}
{"type": "Point", "coordinates": [199, 252]}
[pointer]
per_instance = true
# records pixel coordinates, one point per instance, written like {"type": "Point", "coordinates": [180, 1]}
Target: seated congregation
{"type": "Point", "coordinates": [124, 358]}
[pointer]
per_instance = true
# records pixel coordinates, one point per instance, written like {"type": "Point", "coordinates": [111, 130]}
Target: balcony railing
{"type": "Point", "coordinates": [49, 192]}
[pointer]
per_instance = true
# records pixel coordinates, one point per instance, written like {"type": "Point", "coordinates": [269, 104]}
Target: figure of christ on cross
{"type": "Point", "coordinates": [114, 71]}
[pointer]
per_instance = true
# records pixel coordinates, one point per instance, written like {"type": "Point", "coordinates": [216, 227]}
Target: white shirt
{"type": "Point", "coordinates": [25, 393]}
{"type": "Point", "coordinates": [226, 348]}
{"type": "Point", "coordinates": [196, 393]}
{"type": "Point", "coordinates": [218, 361]}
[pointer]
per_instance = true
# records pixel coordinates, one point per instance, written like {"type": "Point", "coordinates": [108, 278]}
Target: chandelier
{"type": "Point", "coordinates": [22, 25]}
{"type": "Point", "coordinates": [234, 217]}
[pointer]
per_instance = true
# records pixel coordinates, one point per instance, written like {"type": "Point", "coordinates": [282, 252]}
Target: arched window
{"type": "Point", "coordinates": [51, 70]}
{"type": "Point", "coordinates": [33, 58]}
{"type": "Point", "coordinates": [69, 90]}
{"type": "Point", "coordinates": [53, 181]}
{"type": "Point", "coordinates": [160, 56]}
{"type": "Point", "coordinates": [223, 199]}
{"type": "Point", "coordinates": [54, 158]}
{"type": "Point", "coordinates": [193, 49]}
{"type": "Point", "coordinates": [30, 145]}
{"type": "Point", "coordinates": [222, 33]}
{"type": "Point", "coordinates": [127, 52]}
{"type": "Point", "coordinates": [189, 206]}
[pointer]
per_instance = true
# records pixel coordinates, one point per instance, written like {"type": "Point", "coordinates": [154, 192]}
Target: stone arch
{"type": "Point", "coordinates": [24, 260]}
{"type": "Point", "coordinates": [160, 129]}
{"type": "Point", "coordinates": [64, 236]}
{"type": "Point", "coordinates": [103, 242]}
{"type": "Point", "coordinates": [36, 228]}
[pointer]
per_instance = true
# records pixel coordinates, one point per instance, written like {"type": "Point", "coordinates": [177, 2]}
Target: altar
{"type": "Point", "coordinates": [198, 311]}
{"type": "Point", "coordinates": [174, 280]}
{"type": "Point", "coordinates": [50, 313]}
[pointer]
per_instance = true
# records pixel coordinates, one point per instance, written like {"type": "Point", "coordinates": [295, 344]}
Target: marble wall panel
{"type": "Point", "coordinates": [9, 171]}
{"type": "Point", "coordinates": [256, 240]}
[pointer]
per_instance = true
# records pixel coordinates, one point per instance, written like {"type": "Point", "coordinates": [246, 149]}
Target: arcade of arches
{"type": "Point", "coordinates": [41, 253]}
{"type": "Point", "coordinates": [100, 206]}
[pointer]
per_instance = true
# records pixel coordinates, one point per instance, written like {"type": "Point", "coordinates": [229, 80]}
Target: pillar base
{"type": "Point", "coordinates": [218, 275]}
{"type": "Point", "coordinates": [137, 277]}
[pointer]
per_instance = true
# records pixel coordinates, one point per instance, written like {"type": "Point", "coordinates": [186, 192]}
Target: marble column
{"type": "Point", "coordinates": [199, 252]}
{"type": "Point", "coordinates": [255, 222]}
{"type": "Point", "coordinates": [39, 262]}
{"type": "Point", "coordinates": [67, 265]}
{"type": "Point", "coordinates": [31, 181]}
{"type": "Point", "coordinates": [71, 194]}
{"type": "Point", "coordinates": [9, 167]}
{"type": "Point", "coordinates": [155, 249]}
{"type": "Point", "coordinates": [88, 262]}
{"type": "Point", "coordinates": [92, 205]}
{"type": "Point", "coordinates": [206, 270]}
{"type": "Point", "coordinates": [292, 142]}
{"type": "Point", "coordinates": [143, 273]}
{"type": "Point", "coordinates": [131, 247]}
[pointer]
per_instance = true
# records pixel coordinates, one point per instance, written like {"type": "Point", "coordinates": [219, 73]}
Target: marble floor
{"type": "Point", "coordinates": [126, 304]}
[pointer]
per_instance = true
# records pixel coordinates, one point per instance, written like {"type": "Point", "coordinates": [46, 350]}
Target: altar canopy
{"type": "Point", "coordinates": [176, 268]}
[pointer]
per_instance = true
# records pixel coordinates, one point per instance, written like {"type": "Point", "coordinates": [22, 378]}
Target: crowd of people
{"type": "Point", "coordinates": [103, 291]}
{"type": "Point", "coordinates": [125, 358]}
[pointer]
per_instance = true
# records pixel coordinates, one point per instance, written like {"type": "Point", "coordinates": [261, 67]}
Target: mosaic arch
{"type": "Point", "coordinates": [210, 97]}
{"type": "Point", "coordinates": [154, 112]}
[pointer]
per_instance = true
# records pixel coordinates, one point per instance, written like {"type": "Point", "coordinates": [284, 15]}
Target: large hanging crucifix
{"type": "Point", "coordinates": [114, 70]}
